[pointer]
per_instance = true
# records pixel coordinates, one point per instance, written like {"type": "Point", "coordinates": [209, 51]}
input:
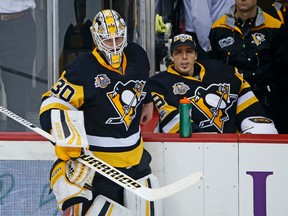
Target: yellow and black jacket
{"type": "Point", "coordinates": [258, 48]}
{"type": "Point", "coordinates": [111, 100]}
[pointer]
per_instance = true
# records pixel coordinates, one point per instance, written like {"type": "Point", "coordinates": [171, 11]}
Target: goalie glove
{"type": "Point", "coordinates": [71, 183]}
{"type": "Point", "coordinates": [79, 174]}
{"type": "Point", "coordinates": [258, 125]}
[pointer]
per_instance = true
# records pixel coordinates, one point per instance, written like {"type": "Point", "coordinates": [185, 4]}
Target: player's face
{"type": "Point", "coordinates": [112, 43]}
{"type": "Point", "coordinates": [184, 58]}
{"type": "Point", "coordinates": [246, 6]}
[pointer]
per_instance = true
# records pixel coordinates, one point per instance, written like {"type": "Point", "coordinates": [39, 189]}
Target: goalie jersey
{"type": "Point", "coordinates": [110, 99]}
{"type": "Point", "coordinates": [221, 99]}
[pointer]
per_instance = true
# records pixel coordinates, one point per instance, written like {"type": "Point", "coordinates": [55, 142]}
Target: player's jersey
{"type": "Point", "coordinates": [220, 98]}
{"type": "Point", "coordinates": [111, 99]}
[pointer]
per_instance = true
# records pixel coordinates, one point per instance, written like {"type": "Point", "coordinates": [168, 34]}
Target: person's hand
{"type": "Point", "coordinates": [66, 153]}
{"type": "Point", "coordinates": [147, 113]}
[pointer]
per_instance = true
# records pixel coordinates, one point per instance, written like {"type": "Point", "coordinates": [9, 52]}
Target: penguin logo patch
{"type": "Point", "coordinates": [125, 98]}
{"type": "Point", "coordinates": [258, 38]}
{"type": "Point", "coordinates": [213, 102]}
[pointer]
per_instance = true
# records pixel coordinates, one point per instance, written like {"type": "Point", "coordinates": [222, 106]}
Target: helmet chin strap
{"type": "Point", "coordinates": [116, 60]}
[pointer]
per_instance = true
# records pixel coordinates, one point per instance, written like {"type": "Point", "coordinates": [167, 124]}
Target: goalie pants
{"type": "Point", "coordinates": [108, 188]}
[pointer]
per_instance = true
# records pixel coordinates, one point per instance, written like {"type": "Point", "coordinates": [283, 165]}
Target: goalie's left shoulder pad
{"type": "Point", "coordinates": [68, 192]}
{"type": "Point", "coordinates": [258, 125]}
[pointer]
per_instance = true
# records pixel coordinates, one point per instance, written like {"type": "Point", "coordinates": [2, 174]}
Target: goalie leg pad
{"type": "Point", "coordinates": [105, 206]}
{"type": "Point", "coordinates": [71, 183]}
{"type": "Point", "coordinates": [140, 206]}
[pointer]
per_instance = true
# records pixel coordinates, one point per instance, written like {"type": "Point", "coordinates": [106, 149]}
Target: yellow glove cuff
{"type": "Point", "coordinates": [65, 153]}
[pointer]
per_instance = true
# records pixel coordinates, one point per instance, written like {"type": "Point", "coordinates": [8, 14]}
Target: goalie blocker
{"type": "Point", "coordinates": [69, 132]}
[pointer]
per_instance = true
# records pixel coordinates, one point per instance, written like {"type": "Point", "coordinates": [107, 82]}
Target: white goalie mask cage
{"type": "Point", "coordinates": [109, 33]}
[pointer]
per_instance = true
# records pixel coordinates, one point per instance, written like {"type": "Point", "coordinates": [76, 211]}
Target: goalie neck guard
{"type": "Point", "coordinates": [109, 33]}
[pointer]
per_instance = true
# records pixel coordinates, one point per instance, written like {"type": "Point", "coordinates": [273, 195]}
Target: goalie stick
{"type": "Point", "coordinates": [114, 174]}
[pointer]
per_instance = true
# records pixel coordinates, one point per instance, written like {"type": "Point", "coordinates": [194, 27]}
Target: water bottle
{"type": "Point", "coordinates": [185, 109]}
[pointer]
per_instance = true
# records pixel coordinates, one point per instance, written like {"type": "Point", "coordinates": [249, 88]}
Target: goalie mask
{"type": "Point", "coordinates": [109, 33]}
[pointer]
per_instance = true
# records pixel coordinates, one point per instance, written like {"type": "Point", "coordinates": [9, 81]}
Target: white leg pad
{"type": "Point", "coordinates": [140, 206]}
{"type": "Point", "coordinates": [105, 206]}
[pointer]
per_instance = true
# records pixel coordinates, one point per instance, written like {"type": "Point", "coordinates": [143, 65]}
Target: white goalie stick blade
{"type": "Point", "coordinates": [135, 187]}
{"type": "Point", "coordinates": [68, 128]}
{"type": "Point", "coordinates": [114, 174]}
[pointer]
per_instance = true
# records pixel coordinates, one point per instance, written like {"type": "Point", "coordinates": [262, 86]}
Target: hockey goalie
{"type": "Point", "coordinates": [110, 86]}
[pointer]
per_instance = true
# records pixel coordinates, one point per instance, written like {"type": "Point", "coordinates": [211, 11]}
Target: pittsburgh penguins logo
{"type": "Point", "coordinates": [258, 38]}
{"type": "Point", "coordinates": [213, 102]}
{"type": "Point", "coordinates": [125, 98]}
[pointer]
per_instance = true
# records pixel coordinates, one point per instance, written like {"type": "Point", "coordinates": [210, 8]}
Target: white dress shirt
{"type": "Point", "coordinates": [13, 6]}
{"type": "Point", "coordinates": [200, 14]}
